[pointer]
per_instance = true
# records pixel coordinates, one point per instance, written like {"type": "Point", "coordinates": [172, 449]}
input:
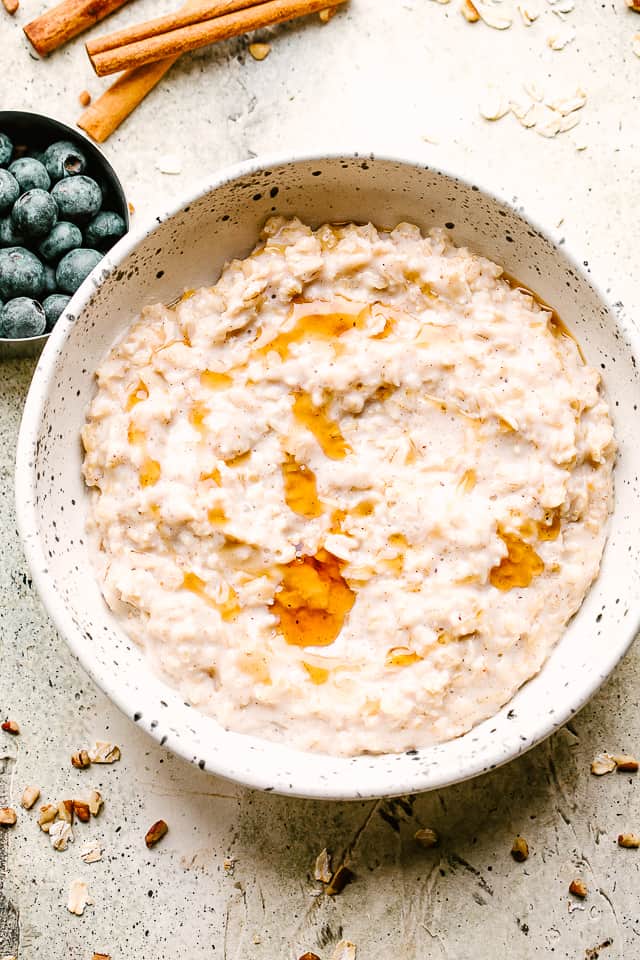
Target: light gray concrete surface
{"type": "Point", "coordinates": [382, 75]}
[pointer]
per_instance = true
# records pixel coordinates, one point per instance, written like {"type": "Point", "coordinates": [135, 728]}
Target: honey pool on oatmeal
{"type": "Point", "coordinates": [349, 496]}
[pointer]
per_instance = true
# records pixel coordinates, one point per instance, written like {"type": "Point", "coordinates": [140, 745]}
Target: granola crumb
{"type": "Point", "coordinates": [344, 950]}
{"type": "Point", "coordinates": [30, 795]}
{"type": "Point", "coordinates": [11, 726]}
{"type": "Point", "coordinates": [328, 14]}
{"type": "Point", "coordinates": [322, 868]}
{"type": "Point", "coordinates": [341, 877]}
{"type": "Point", "coordinates": [60, 834]}
{"type": "Point", "coordinates": [8, 817]}
{"type": "Point", "coordinates": [80, 760]}
{"type": "Point", "coordinates": [79, 897]}
{"type": "Point", "coordinates": [520, 850]}
{"type": "Point", "coordinates": [48, 813]}
{"type": "Point", "coordinates": [259, 51]}
{"type": "Point", "coordinates": [95, 803]}
{"type": "Point", "coordinates": [625, 763]}
{"type": "Point", "coordinates": [469, 11]}
{"type": "Point", "coordinates": [92, 852]}
{"type": "Point", "coordinates": [101, 956]}
{"type": "Point", "coordinates": [84, 98]}
{"type": "Point", "coordinates": [82, 811]}
{"type": "Point", "coordinates": [629, 840]}
{"type": "Point", "coordinates": [578, 888]}
{"type": "Point", "coordinates": [104, 752]}
{"type": "Point", "coordinates": [427, 838]}
{"type": "Point", "coordinates": [65, 810]}
{"type": "Point", "coordinates": [601, 764]}
{"type": "Point", "coordinates": [155, 833]}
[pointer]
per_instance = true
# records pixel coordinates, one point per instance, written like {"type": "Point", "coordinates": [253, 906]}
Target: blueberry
{"type": "Point", "coordinates": [6, 150]}
{"type": "Point", "coordinates": [77, 197]}
{"type": "Point", "coordinates": [22, 317]}
{"type": "Point", "coordinates": [74, 267]}
{"type": "Point", "coordinates": [21, 273]}
{"type": "Point", "coordinates": [30, 173]}
{"type": "Point", "coordinates": [50, 282]}
{"type": "Point", "coordinates": [53, 307]}
{"type": "Point", "coordinates": [63, 159]}
{"type": "Point", "coordinates": [103, 231]}
{"type": "Point", "coordinates": [9, 190]}
{"type": "Point", "coordinates": [64, 237]}
{"type": "Point", "coordinates": [35, 213]}
{"type": "Point", "coordinates": [9, 236]}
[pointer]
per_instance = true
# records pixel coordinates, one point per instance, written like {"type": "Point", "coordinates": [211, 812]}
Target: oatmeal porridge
{"type": "Point", "coordinates": [348, 497]}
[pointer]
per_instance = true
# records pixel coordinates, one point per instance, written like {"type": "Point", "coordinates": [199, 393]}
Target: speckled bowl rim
{"type": "Point", "coordinates": [263, 776]}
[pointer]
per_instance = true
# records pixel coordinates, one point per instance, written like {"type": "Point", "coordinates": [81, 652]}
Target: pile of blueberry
{"type": "Point", "coordinates": [53, 231]}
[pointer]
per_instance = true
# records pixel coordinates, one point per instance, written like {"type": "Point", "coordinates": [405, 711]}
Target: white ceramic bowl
{"type": "Point", "coordinates": [187, 248]}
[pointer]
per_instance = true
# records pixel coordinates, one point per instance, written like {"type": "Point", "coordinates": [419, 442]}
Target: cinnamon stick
{"type": "Point", "coordinates": [152, 28]}
{"type": "Point", "coordinates": [184, 39]}
{"type": "Point", "coordinates": [69, 18]}
{"type": "Point", "coordinates": [105, 115]}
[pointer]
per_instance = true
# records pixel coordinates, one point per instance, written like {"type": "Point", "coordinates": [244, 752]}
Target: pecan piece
{"type": "Point", "coordinates": [155, 833]}
{"type": "Point", "coordinates": [11, 726]}
{"type": "Point", "coordinates": [80, 760]}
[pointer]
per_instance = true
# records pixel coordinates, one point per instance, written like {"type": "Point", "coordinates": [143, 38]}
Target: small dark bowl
{"type": "Point", "coordinates": [36, 132]}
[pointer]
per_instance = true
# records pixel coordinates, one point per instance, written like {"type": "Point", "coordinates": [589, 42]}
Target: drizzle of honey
{"type": "Point", "coordinates": [239, 460]}
{"type": "Point", "coordinates": [313, 601]}
{"type": "Point", "coordinates": [227, 610]}
{"type": "Point", "coordinates": [215, 381]}
{"type": "Point", "coordinates": [217, 515]}
{"type": "Point", "coordinates": [413, 276]}
{"type": "Point", "coordinates": [197, 416]}
{"type": "Point", "coordinates": [467, 481]}
{"type": "Point", "coordinates": [300, 491]}
{"type": "Point", "coordinates": [255, 666]}
{"type": "Point", "coordinates": [556, 324]}
{"type": "Point", "coordinates": [318, 320]}
{"type": "Point", "coordinates": [364, 509]}
{"type": "Point", "coordinates": [336, 521]}
{"type": "Point", "coordinates": [135, 436]}
{"type": "Point", "coordinates": [549, 528]}
{"type": "Point", "coordinates": [317, 675]}
{"type": "Point", "coordinates": [186, 295]}
{"type": "Point", "coordinates": [519, 567]}
{"type": "Point", "coordinates": [149, 472]}
{"type": "Point", "coordinates": [319, 423]}
{"type": "Point", "coordinates": [401, 657]}
{"type": "Point", "coordinates": [137, 395]}
{"type": "Point", "coordinates": [214, 475]}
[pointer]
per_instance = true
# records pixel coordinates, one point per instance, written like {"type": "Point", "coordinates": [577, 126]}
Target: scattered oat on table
{"type": "Point", "coordinates": [95, 803]}
{"type": "Point", "coordinates": [344, 950]}
{"type": "Point", "coordinates": [155, 833]}
{"type": "Point", "coordinates": [341, 877]}
{"type": "Point", "coordinates": [469, 11]}
{"type": "Point", "coordinates": [259, 51]}
{"type": "Point", "coordinates": [520, 850]}
{"type": "Point", "coordinates": [601, 764]}
{"type": "Point", "coordinates": [629, 840]}
{"type": "Point", "coordinates": [60, 834]}
{"type": "Point", "coordinates": [322, 869]}
{"type": "Point", "coordinates": [92, 852]}
{"type": "Point", "coordinates": [8, 816]}
{"type": "Point", "coordinates": [11, 726]}
{"type": "Point", "coordinates": [79, 897]}
{"type": "Point", "coordinates": [427, 838]}
{"type": "Point", "coordinates": [104, 752]}
{"type": "Point", "coordinates": [635, 44]}
{"type": "Point", "coordinates": [29, 796]}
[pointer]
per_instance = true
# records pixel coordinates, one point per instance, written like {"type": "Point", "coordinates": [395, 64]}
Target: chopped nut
{"type": "Point", "coordinates": [309, 956]}
{"type": "Point", "coordinates": [155, 832]}
{"type": "Point", "coordinates": [101, 956]}
{"type": "Point", "coordinates": [85, 98]}
{"type": "Point", "coordinates": [48, 813]}
{"type": "Point", "coordinates": [602, 763]}
{"type": "Point", "coordinates": [11, 726]}
{"type": "Point", "coordinates": [630, 840]}
{"type": "Point", "coordinates": [95, 802]}
{"type": "Point", "coordinates": [104, 752]}
{"type": "Point", "coordinates": [569, 104]}
{"type": "Point", "coordinates": [8, 816]}
{"type": "Point", "coordinates": [79, 897]}
{"type": "Point", "coordinates": [259, 51]}
{"type": "Point", "coordinates": [29, 797]}
{"type": "Point", "coordinates": [329, 14]}
{"type": "Point", "coordinates": [82, 811]}
{"type": "Point", "coordinates": [60, 834]}
{"type": "Point", "coordinates": [470, 11]}
{"type": "Point", "coordinates": [427, 838]}
{"type": "Point", "coordinates": [344, 950]}
{"type": "Point", "coordinates": [91, 852]}
{"type": "Point", "coordinates": [322, 869]}
{"type": "Point", "coordinates": [494, 105]}
{"type": "Point", "coordinates": [65, 810]}
{"type": "Point", "coordinates": [80, 760]}
{"type": "Point", "coordinates": [520, 850]}
{"type": "Point", "coordinates": [578, 888]}
{"type": "Point", "coordinates": [339, 880]}
{"type": "Point", "coordinates": [625, 763]}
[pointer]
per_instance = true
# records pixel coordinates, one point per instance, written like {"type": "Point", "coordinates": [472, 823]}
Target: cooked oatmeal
{"type": "Point", "coordinates": [348, 497]}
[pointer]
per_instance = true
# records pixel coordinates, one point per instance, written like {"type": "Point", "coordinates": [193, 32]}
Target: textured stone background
{"type": "Point", "coordinates": [384, 74]}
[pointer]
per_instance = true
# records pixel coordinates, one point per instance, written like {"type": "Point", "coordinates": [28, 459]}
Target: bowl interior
{"type": "Point", "coordinates": [36, 132]}
{"type": "Point", "coordinates": [187, 249]}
